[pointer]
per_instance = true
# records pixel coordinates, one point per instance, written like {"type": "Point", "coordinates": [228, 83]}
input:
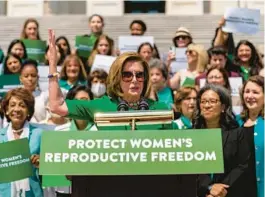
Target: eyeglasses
{"type": "Point", "coordinates": [182, 37]}
{"type": "Point", "coordinates": [215, 77]}
{"type": "Point", "coordinates": [211, 101]}
{"type": "Point", "coordinates": [127, 76]}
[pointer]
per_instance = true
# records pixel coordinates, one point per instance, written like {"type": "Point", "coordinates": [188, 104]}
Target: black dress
{"type": "Point", "coordinates": [236, 158]}
{"type": "Point", "coordinates": [250, 175]}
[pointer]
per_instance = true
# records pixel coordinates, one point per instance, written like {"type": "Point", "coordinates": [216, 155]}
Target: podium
{"type": "Point", "coordinates": [134, 185]}
{"type": "Point", "coordinates": [140, 157]}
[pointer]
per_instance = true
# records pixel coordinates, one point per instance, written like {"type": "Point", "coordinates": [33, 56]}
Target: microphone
{"type": "Point", "coordinates": [143, 105]}
{"type": "Point", "coordinates": [177, 115]}
{"type": "Point", "coordinates": [123, 106]}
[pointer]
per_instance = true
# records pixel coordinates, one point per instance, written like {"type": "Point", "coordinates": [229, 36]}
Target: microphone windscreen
{"type": "Point", "coordinates": [143, 105]}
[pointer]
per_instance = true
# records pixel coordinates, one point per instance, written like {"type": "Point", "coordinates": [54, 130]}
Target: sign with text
{"type": "Point", "coordinates": [43, 71]}
{"type": "Point", "coordinates": [235, 84]}
{"type": "Point", "coordinates": [103, 62]}
{"type": "Point", "coordinates": [132, 153]}
{"type": "Point", "coordinates": [35, 49]}
{"type": "Point", "coordinates": [131, 43]}
{"type": "Point", "coordinates": [84, 45]}
{"type": "Point", "coordinates": [15, 161]}
{"type": "Point", "coordinates": [180, 62]}
{"type": "Point", "coordinates": [8, 82]}
{"type": "Point", "coordinates": [241, 20]}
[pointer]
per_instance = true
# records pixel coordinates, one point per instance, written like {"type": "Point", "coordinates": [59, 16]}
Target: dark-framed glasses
{"type": "Point", "coordinates": [127, 76]}
{"type": "Point", "coordinates": [210, 101]}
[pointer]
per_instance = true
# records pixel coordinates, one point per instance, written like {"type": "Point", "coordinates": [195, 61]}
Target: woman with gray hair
{"type": "Point", "coordinates": [214, 110]}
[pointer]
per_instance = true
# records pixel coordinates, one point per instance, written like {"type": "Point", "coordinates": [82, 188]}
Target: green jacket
{"type": "Point", "coordinates": [81, 109]}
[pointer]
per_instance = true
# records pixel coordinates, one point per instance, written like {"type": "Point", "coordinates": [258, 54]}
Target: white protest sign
{"type": "Point", "coordinates": [43, 76]}
{"type": "Point", "coordinates": [131, 43]}
{"type": "Point", "coordinates": [237, 109]}
{"type": "Point", "coordinates": [235, 83]}
{"type": "Point", "coordinates": [202, 82]}
{"type": "Point", "coordinates": [103, 62]}
{"type": "Point", "coordinates": [241, 20]}
{"type": "Point", "coordinates": [180, 60]}
{"type": "Point", "coordinates": [1, 68]}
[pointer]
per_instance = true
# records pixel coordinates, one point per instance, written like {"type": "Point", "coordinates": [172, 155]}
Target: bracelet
{"type": "Point", "coordinates": [54, 75]}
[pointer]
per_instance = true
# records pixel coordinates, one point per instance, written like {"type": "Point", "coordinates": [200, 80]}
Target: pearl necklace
{"type": "Point", "coordinates": [17, 131]}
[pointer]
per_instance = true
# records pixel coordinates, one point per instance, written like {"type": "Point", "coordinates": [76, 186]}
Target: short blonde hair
{"type": "Point", "coordinates": [202, 56]}
{"type": "Point", "coordinates": [115, 74]}
{"type": "Point", "coordinates": [82, 73]}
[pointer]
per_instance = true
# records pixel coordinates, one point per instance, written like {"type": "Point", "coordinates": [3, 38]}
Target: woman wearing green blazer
{"type": "Point", "coordinates": [127, 89]}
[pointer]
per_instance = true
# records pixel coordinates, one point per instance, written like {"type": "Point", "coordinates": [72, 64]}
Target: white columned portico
{"type": "Point", "coordinates": [182, 7]}
{"type": "Point", "coordinates": [105, 7]}
{"type": "Point", "coordinates": [27, 8]}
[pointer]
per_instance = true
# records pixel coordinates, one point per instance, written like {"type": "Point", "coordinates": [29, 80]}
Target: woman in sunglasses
{"type": "Point", "coordinates": [197, 58]}
{"type": "Point", "coordinates": [181, 39]}
{"type": "Point", "coordinates": [128, 83]}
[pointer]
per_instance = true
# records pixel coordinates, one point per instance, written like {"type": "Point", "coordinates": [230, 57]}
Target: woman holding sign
{"type": "Point", "coordinates": [18, 107]}
{"type": "Point", "coordinates": [102, 46]}
{"type": "Point", "coordinates": [197, 59]}
{"type": "Point", "coordinates": [252, 121]}
{"type": "Point", "coordinates": [214, 110]}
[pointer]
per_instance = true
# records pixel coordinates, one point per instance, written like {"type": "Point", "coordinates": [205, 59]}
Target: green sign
{"type": "Point", "coordinates": [35, 49]}
{"type": "Point", "coordinates": [188, 82]}
{"type": "Point", "coordinates": [15, 161]}
{"type": "Point", "coordinates": [132, 152]}
{"type": "Point", "coordinates": [8, 82]}
{"type": "Point", "coordinates": [84, 45]}
{"type": "Point", "coordinates": [55, 181]}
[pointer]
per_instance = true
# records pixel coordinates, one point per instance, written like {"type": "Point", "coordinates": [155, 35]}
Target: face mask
{"type": "Point", "coordinates": [98, 89]}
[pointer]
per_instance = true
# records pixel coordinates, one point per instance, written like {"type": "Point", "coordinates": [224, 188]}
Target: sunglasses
{"type": "Point", "coordinates": [190, 52]}
{"type": "Point", "coordinates": [182, 37]}
{"type": "Point", "coordinates": [127, 76]}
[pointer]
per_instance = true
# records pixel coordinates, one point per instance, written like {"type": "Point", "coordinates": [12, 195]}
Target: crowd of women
{"type": "Point", "coordinates": [76, 94]}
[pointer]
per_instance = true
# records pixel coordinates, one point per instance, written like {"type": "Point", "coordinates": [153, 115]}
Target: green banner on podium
{"type": "Point", "coordinates": [132, 152]}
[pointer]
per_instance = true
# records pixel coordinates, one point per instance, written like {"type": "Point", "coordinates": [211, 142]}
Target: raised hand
{"type": "Point", "coordinates": [221, 23]}
{"type": "Point", "coordinates": [52, 52]}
